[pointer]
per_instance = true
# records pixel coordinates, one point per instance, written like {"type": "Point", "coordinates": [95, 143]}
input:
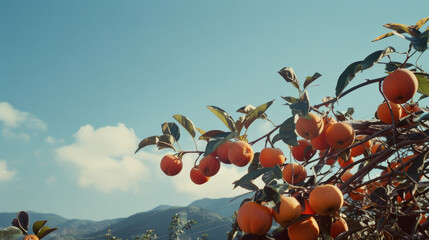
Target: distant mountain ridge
{"type": "Point", "coordinates": [213, 216]}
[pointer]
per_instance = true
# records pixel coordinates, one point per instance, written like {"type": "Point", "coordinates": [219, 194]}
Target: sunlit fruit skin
{"type": "Point", "coordinates": [294, 173]}
{"type": "Point", "coordinates": [289, 210]}
{"type": "Point", "coordinates": [197, 176]}
{"type": "Point", "coordinates": [326, 199]}
{"type": "Point", "coordinates": [338, 226]}
{"type": "Point", "coordinates": [307, 229]}
{"type": "Point", "coordinates": [346, 175]}
{"type": "Point", "coordinates": [222, 152]}
{"type": "Point", "coordinates": [357, 194]}
{"type": "Point", "coordinates": [309, 128]}
{"type": "Point", "coordinates": [209, 166]}
{"type": "Point", "coordinates": [411, 108]}
{"type": "Point", "coordinates": [340, 135]}
{"type": "Point", "coordinates": [400, 86]}
{"type": "Point", "coordinates": [344, 163]}
{"type": "Point", "coordinates": [31, 237]}
{"type": "Point", "coordinates": [319, 142]}
{"type": "Point", "coordinates": [360, 149]}
{"type": "Point", "coordinates": [171, 165]}
{"type": "Point", "coordinates": [269, 157]}
{"type": "Point", "coordinates": [254, 218]}
{"type": "Point", "coordinates": [377, 147]}
{"type": "Point", "coordinates": [240, 153]}
{"type": "Point", "coordinates": [303, 151]}
{"type": "Point", "coordinates": [383, 112]}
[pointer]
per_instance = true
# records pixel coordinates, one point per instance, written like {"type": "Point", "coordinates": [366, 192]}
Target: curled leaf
{"type": "Point", "coordinates": [256, 113]}
{"type": "Point", "coordinates": [186, 123]}
{"type": "Point", "coordinates": [311, 79]}
{"type": "Point", "coordinates": [165, 141]}
{"type": "Point", "coordinates": [172, 129]}
{"type": "Point", "coordinates": [289, 75]}
{"type": "Point", "coordinates": [223, 116]}
{"type": "Point", "coordinates": [153, 140]}
{"type": "Point", "coordinates": [246, 109]}
{"type": "Point", "coordinates": [209, 134]}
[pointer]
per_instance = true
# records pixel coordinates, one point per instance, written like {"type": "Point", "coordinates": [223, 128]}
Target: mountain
{"type": "Point", "coordinates": [213, 216]}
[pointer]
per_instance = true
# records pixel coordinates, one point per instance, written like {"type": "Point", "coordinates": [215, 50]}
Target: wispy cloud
{"type": "Point", "coordinates": [104, 158]}
{"type": "Point", "coordinates": [15, 122]}
{"type": "Point", "coordinates": [5, 174]}
{"type": "Point", "coordinates": [52, 140]}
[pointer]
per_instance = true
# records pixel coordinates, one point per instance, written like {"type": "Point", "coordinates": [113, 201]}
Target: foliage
{"type": "Point", "coordinates": [393, 193]}
{"type": "Point", "coordinates": [20, 227]}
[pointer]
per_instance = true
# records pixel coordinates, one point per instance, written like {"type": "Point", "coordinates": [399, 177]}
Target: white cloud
{"type": "Point", "coordinates": [5, 174]}
{"type": "Point", "coordinates": [104, 158]}
{"type": "Point", "coordinates": [14, 119]}
{"type": "Point", "coordinates": [220, 185]}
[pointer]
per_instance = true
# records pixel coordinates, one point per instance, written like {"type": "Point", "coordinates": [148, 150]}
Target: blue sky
{"type": "Point", "coordinates": [82, 82]}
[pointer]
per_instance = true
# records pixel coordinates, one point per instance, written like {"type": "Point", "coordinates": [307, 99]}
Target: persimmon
{"type": "Point", "coordinates": [340, 135]}
{"type": "Point", "coordinates": [343, 163]}
{"type": "Point", "coordinates": [408, 108]}
{"type": "Point", "coordinates": [338, 226]}
{"type": "Point", "coordinates": [400, 86]}
{"type": "Point", "coordinates": [329, 159]}
{"type": "Point", "coordinates": [309, 126]}
{"type": "Point", "coordinates": [423, 219]}
{"type": "Point", "coordinates": [31, 237]}
{"type": "Point", "coordinates": [294, 173]}
{"type": "Point", "coordinates": [383, 112]}
{"type": "Point", "coordinates": [370, 187]}
{"type": "Point", "coordinates": [209, 166]}
{"type": "Point", "coordinates": [303, 151]}
{"type": "Point", "coordinates": [269, 157]}
{"type": "Point", "coordinates": [307, 209]}
{"type": "Point", "coordinates": [357, 194]}
{"type": "Point", "coordinates": [377, 147]}
{"type": "Point", "coordinates": [408, 196]}
{"type": "Point", "coordinates": [171, 165]}
{"type": "Point", "coordinates": [408, 158]}
{"type": "Point", "coordinates": [360, 149]}
{"type": "Point", "coordinates": [346, 175]}
{"type": "Point", "coordinates": [222, 152]}
{"type": "Point", "coordinates": [326, 199]}
{"type": "Point", "coordinates": [197, 176]}
{"type": "Point", "coordinates": [289, 210]}
{"type": "Point", "coordinates": [319, 142]}
{"type": "Point", "coordinates": [307, 229]}
{"type": "Point", "coordinates": [254, 218]}
{"type": "Point", "coordinates": [240, 153]}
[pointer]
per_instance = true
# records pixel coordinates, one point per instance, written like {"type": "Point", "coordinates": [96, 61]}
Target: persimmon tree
{"type": "Point", "coordinates": [386, 196]}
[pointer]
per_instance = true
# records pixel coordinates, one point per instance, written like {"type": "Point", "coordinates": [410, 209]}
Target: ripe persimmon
{"type": "Point", "coordinates": [377, 147]}
{"type": "Point", "coordinates": [346, 175]}
{"type": "Point", "coordinates": [303, 151]}
{"type": "Point", "coordinates": [400, 86]}
{"type": "Point", "coordinates": [319, 142]}
{"type": "Point", "coordinates": [383, 112]}
{"type": "Point", "coordinates": [310, 126]}
{"type": "Point", "coordinates": [31, 237]}
{"type": "Point", "coordinates": [357, 194]}
{"type": "Point", "coordinates": [269, 157]}
{"type": "Point", "coordinates": [294, 173]}
{"type": "Point", "coordinates": [340, 135]}
{"type": "Point", "coordinates": [197, 176]}
{"type": "Point", "coordinates": [254, 218]}
{"type": "Point", "coordinates": [343, 163]}
{"type": "Point", "coordinates": [171, 165]}
{"type": "Point", "coordinates": [338, 226]}
{"type": "Point", "coordinates": [326, 199]}
{"type": "Point", "coordinates": [222, 152]}
{"type": "Point", "coordinates": [410, 108]}
{"type": "Point", "coordinates": [289, 210]}
{"type": "Point", "coordinates": [307, 229]}
{"type": "Point", "coordinates": [240, 153]}
{"type": "Point", "coordinates": [209, 166]}
{"type": "Point", "coordinates": [370, 187]}
{"type": "Point", "coordinates": [360, 149]}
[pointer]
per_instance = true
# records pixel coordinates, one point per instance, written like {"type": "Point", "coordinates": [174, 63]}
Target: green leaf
{"type": "Point", "coordinates": [209, 134]}
{"type": "Point", "coordinates": [251, 176]}
{"type": "Point", "coordinates": [311, 79]}
{"type": "Point", "coordinates": [287, 132]}
{"type": "Point", "coordinates": [376, 56]}
{"type": "Point", "coordinates": [256, 113]}
{"type": "Point", "coordinates": [289, 75]}
{"type": "Point", "coordinates": [223, 116]}
{"type": "Point", "coordinates": [383, 36]}
{"type": "Point", "coordinates": [276, 138]}
{"type": "Point", "coordinates": [239, 124]}
{"type": "Point", "coordinates": [400, 28]}
{"type": "Point", "coordinates": [146, 142]}
{"type": "Point", "coordinates": [423, 80]}
{"type": "Point", "coordinates": [45, 231]}
{"type": "Point", "coordinates": [392, 66]}
{"type": "Point", "coordinates": [38, 225]}
{"type": "Point", "coordinates": [302, 107]}
{"type": "Point", "coordinates": [347, 75]}
{"type": "Point", "coordinates": [166, 141]}
{"type": "Point", "coordinates": [172, 129]}
{"type": "Point", "coordinates": [420, 42]}
{"type": "Point", "coordinates": [420, 23]}
{"type": "Point", "coordinates": [275, 173]}
{"type": "Point", "coordinates": [246, 109]}
{"type": "Point", "coordinates": [291, 99]}
{"type": "Point", "coordinates": [10, 233]}
{"type": "Point", "coordinates": [254, 164]}
{"type": "Point", "coordinates": [219, 139]}
{"type": "Point", "coordinates": [186, 123]}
